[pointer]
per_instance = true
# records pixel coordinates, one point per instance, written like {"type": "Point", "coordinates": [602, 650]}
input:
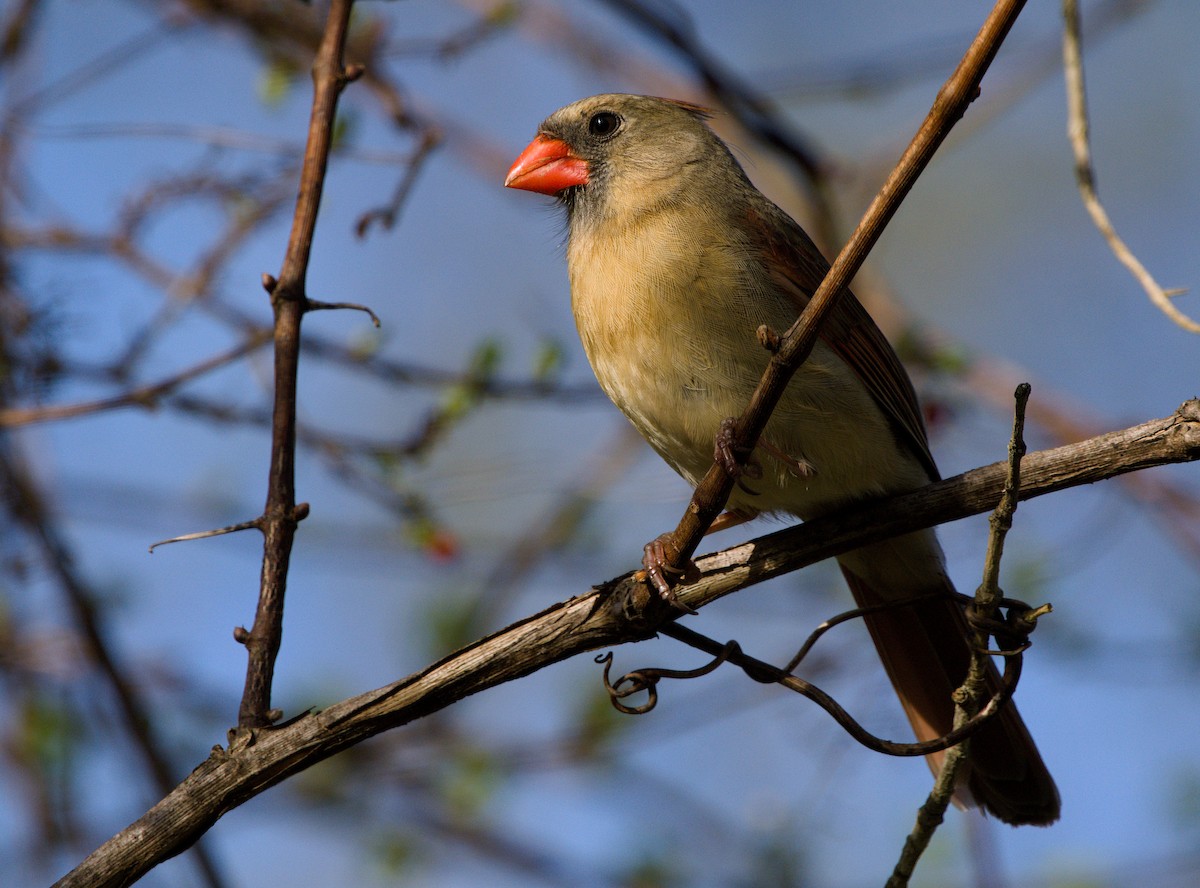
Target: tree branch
{"type": "Point", "coordinates": [289, 300]}
{"type": "Point", "coordinates": [1085, 175]}
{"type": "Point", "coordinates": [257, 760]}
{"type": "Point", "coordinates": [149, 395]}
{"type": "Point", "coordinates": [973, 691]}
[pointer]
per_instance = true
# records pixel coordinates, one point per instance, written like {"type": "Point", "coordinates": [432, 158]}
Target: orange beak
{"type": "Point", "coordinates": [547, 166]}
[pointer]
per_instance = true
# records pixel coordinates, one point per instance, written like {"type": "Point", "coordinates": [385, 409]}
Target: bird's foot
{"type": "Point", "coordinates": [661, 572]}
{"type": "Point", "coordinates": [731, 518]}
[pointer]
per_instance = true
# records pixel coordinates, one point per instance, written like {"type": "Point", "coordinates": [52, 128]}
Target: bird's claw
{"type": "Point", "coordinates": [660, 571]}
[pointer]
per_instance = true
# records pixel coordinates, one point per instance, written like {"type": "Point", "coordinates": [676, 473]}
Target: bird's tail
{"type": "Point", "coordinates": [925, 650]}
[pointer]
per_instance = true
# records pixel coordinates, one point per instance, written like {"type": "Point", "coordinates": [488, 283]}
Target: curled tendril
{"type": "Point", "coordinates": [647, 679]}
{"type": "Point", "coordinates": [1012, 632]}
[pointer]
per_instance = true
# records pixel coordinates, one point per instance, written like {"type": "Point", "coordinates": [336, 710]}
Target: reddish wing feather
{"type": "Point", "coordinates": [798, 268]}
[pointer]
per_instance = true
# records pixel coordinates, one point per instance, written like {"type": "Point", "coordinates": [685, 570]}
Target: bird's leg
{"type": "Point", "coordinates": [723, 453]}
{"type": "Point", "coordinates": [731, 518]}
{"type": "Point", "coordinates": [727, 458]}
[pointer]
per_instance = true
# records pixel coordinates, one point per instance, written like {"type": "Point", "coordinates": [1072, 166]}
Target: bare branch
{"type": "Point", "coordinates": [280, 516]}
{"type": "Point", "coordinates": [141, 396]}
{"type": "Point", "coordinates": [1077, 131]}
{"type": "Point", "coordinates": [254, 524]}
{"type": "Point", "coordinates": [974, 687]}
{"type": "Point", "coordinates": [259, 759]}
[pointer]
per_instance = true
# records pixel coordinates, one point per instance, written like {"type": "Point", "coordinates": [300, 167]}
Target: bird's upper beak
{"type": "Point", "coordinates": [547, 166]}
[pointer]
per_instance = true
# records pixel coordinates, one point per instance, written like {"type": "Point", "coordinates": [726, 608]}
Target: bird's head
{"type": "Point", "coordinates": [616, 153]}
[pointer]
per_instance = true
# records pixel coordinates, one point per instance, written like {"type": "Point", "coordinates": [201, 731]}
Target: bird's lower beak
{"type": "Point", "coordinates": [547, 166]}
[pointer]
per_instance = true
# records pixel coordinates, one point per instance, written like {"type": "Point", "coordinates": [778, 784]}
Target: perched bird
{"type": "Point", "coordinates": [675, 259]}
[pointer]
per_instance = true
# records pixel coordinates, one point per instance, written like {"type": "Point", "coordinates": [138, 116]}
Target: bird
{"type": "Point", "coordinates": [675, 260]}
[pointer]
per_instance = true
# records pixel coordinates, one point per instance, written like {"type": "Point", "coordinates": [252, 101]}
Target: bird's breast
{"type": "Point", "coordinates": [668, 321]}
{"type": "Point", "coordinates": [652, 309]}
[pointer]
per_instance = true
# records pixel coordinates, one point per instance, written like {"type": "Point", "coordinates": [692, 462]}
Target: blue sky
{"type": "Point", "coordinates": [993, 250]}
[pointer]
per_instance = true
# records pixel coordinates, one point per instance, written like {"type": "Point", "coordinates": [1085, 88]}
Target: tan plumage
{"type": "Point", "coordinates": [675, 259]}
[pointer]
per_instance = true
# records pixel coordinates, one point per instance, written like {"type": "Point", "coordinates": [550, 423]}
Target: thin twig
{"type": "Point", "coordinates": [974, 687]}
{"type": "Point", "coordinates": [1077, 132]}
{"type": "Point", "coordinates": [387, 215]}
{"type": "Point", "coordinates": [1000, 522]}
{"type": "Point", "coordinates": [765, 672]}
{"type": "Point", "coordinates": [931, 813]}
{"type": "Point", "coordinates": [289, 300]}
{"type": "Point", "coordinates": [253, 524]}
{"type": "Point", "coordinates": [140, 396]}
{"type": "Point", "coordinates": [316, 305]}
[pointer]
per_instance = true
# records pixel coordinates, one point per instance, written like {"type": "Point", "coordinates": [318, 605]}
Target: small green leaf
{"type": "Point", "coordinates": [503, 14]}
{"type": "Point", "coordinates": [469, 782]}
{"type": "Point", "coordinates": [548, 361]}
{"type": "Point", "coordinates": [485, 359]}
{"type": "Point", "coordinates": [395, 853]}
{"type": "Point", "coordinates": [276, 82]}
{"type": "Point", "coordinates": [344, 127]}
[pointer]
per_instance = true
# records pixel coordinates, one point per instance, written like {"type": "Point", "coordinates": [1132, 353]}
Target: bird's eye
{"type": "Point", "coordinates": [603, 124]}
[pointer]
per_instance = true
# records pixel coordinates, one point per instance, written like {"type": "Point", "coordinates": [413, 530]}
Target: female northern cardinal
{"type": "Point", "coordinates": [675, 260]}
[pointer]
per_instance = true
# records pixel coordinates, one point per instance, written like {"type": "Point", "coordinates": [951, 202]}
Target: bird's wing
{"type": "Point", "coordinates": [797, 268]}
